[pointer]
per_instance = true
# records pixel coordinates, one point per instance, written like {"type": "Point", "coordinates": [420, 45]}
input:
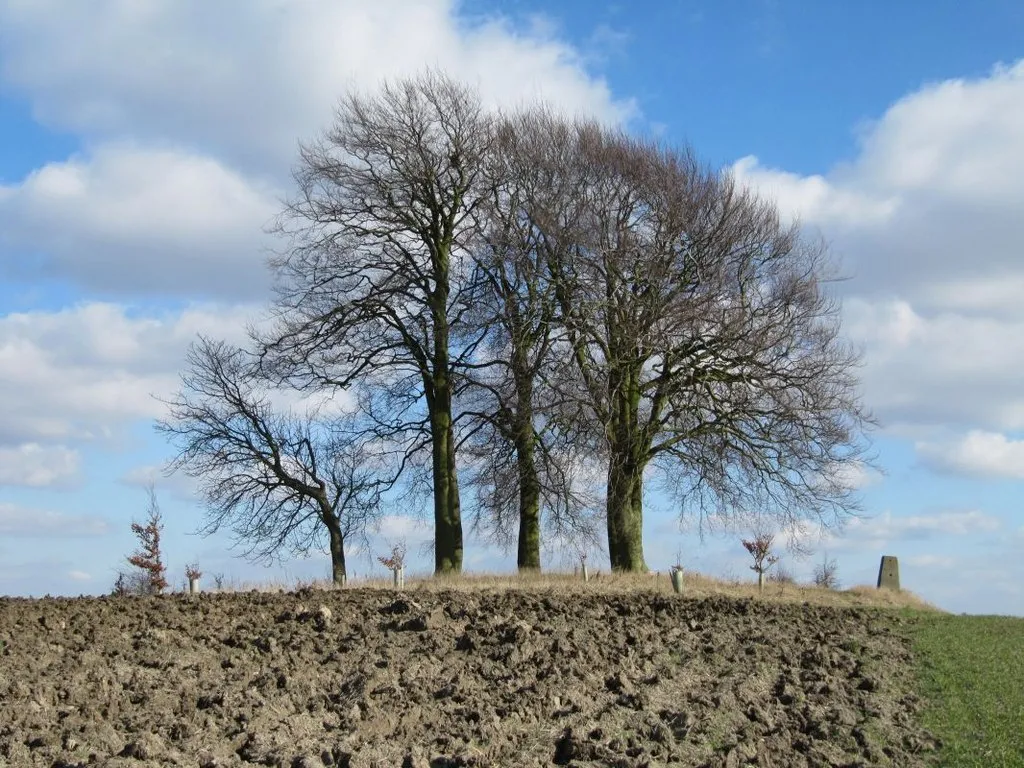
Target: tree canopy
{"type": "Point", "coordinates": [518, 301]}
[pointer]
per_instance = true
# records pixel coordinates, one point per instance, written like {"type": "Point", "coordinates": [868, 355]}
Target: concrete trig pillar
{"type": "Point", "coordinates": [889, 573]}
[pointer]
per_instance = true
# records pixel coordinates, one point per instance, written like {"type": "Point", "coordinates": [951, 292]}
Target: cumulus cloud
{"type": "Point", "coordinates": [957, 137]}
{"type": "Point", "coordinates": [245, 79]}
{"type": "Point", "coordinates": [886, 527]}
{"type": "Point", "coordinates": [191, 115]}
{"type": "Point", "coordinates": [33, 465]}
{"type": "Point", "coordinates": [814, 198]}
{"type": "Point", "coordinates": [79, 576]}
{"type": "Point", "coordinates": [178, 484]}
{"type": "Point", "coordinates": [853, 475]}
{"type": "Point", "coordinates": [933, 195]}
{"type": "Point", "coordinates": [869, 533]}
{"type": "Point", "coordinates": [125, 219]}
{"type": "Point", "coordinates": [926, 221]}
{"type": "Point", "coordinates": [998, 296]}
{"type": "Point", "coordinates": [976, 454]}
{"type": "Point", "coordinates": [18, 521]}
{"type": "Point", "coordinates": [931, 561]}
{"type": "Point", "coordinates": [939, 368]}
{"type": "Point", "coordinates": [86, 371]}
{"type": "Point", "coordinates": [395, 527]}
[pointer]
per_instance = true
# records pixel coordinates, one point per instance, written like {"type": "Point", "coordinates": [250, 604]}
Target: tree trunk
{"type": "Point", "coordinates": [338, 572]}
{"type": "Point", "coordinates": [625, 516]}
{"type": "Point", "coordinates": [637, 518]}
{"type": "Point", "coordinates": [529, 505]}
{"type": "Point", "coordinates": [523, 437]}
{"type": "Point", "coordinates": [454, 502]}
{"type": "Point", "coordinates": [447, 509]}
{"type": "Point", "coordinates": [625, 471]}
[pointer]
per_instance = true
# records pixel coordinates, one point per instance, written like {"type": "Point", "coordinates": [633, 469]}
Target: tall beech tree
{"type": "Point", "coordinates": [533, 289]}
{"type": "Point", "coordinates": [374, 281]}
{"type": "Point", "coordinates": [526, 454]}
{"type": "Point", "coordinates": [279, 480]}
{"type": "Point", "coordinates": [701, 338]}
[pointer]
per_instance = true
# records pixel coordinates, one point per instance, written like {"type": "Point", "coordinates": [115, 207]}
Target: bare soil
{"type": "Point", "coordinates": [371, 677]}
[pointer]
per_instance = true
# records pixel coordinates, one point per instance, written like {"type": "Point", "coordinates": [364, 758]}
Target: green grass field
{"type": "Point", "coordinates": [971, 674]}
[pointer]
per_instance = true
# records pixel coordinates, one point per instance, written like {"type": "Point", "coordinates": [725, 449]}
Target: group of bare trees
{"type": "Point", "coordinates": [533, 303]}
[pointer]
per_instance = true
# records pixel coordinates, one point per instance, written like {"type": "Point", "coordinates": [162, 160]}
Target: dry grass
{"type": "Point", "coordinates": [695, 585]}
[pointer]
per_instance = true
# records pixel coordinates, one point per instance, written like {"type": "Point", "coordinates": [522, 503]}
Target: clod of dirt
{"type": "Point", "coordinates": [148, 746]}
{"type": "Point", "coordinates": [362, 677]}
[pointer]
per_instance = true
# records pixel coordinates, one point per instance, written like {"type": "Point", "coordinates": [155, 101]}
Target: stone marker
{"type": "Point", "coordinates": [889, 573]}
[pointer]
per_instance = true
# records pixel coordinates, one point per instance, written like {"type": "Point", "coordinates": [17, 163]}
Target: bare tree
{"type": "Point", "coordinates": [375, 280]}
{"type": "Point", "coordinates": [701, 338]}
{"type": "Point", "coordinates": [826, 574]}
{"type": "Point", "coordinates": [526, 457]}
{"type": "Point", "coordinates": [279, 480]}
{"type": "Point", "coordinates": [439, 259]}
{"type": "Point", "coordinates": [760, 548]}
{"type": "Point", "coordinates": [531, 500]}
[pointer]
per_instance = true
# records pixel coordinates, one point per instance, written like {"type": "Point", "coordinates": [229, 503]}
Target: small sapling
{"type": "Point", "coordinates": [761, 550]}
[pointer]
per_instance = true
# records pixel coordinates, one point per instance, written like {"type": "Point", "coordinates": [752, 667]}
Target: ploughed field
{"type": "Point", "coordinates": [373, 677]}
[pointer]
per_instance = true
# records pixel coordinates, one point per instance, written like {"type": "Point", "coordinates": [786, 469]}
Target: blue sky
{"type": "Point", "coordinates": [143, 149]}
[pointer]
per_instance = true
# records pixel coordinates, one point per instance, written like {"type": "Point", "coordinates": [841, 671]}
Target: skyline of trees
{"type": "Point", "coordinates": [517, 301]}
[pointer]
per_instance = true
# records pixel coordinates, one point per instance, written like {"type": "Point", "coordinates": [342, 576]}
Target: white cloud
{"type": "Point", "coordinates": [813, 198]}
{"type": "Point", "coordinates": [853, 475]}
{"type": "Point", "coordinates": [872, 533]}
{"type": "Point", "coordinates": [192, 116]}
{"type": "Point", "coordinates": [976, 454]}
{"type": "Point", "coordinates": [126, 219]}
{"type": "Point", "coordinates": [960, 138]}
{"type": "Point", "coordinates": [322, 404]}
{"type": "Point", "coordinates": [998, 296]}
{"type": "Point", "coordinates": [21, 521]}
{"type": "Point", "coordinates": [87, 371]}
{"type": "Point", "coordinates": [803, 537]}
{"type": "Point", "coordinates": [890, 528]}
{"type": "Point", "coordinates": [931, 561]}
{"type": "Point", "coordinates": [926, 220]}
{"type": "Point", "coordinates": [395, 527]}
{"type": "Point", "coordinates": [939, 368]}
{"type": "Point", "coordinates": [943, 168]}
{"type": "Point", "coordinates": [36, 466]}
{"type": "Point", "coordinates": [245, 79]}
{"type": "Point", "coordinates": [178, 484]}
{"type": "Point", "coordinates": [79, 576]}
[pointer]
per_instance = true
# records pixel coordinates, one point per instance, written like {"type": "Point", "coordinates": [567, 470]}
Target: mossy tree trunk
{"type": "Point", "coordinates": [448, 544]}
{"type": "Point", "coordinates": [628, 456]}
{"type": "Point", "coordinates": [528, 556]}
